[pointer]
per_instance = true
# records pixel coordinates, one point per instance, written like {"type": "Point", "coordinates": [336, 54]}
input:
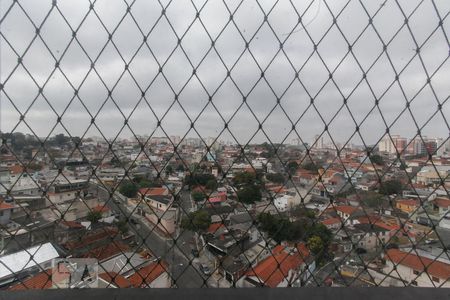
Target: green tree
{"type": "Point", "coordinates": [292, 166]}
{"type": "Point", "coordinates": [310, 166]}
{"type": "Point", "coordinates": [198, 179]}
{"type": "Point", "coordinates": [244, 178]}
{"type": "Point", "coordinates": [371, 199]}
{"type": "Point", "coordinates": [60, 139]}
{"type": "Point", "coordinates": [94, 216]}
{"type": "Point", "coordinates": [315, 244]}
{"type": "Point", "coordinates": [128, 189]}
{"type": "Point", "coordinates": [275, 177]}
{"type": "Point", "coordinates": [180, 168]}
{"type": "Point", "coordinates": [211, 184]}
{"type": "Point", "coordinates": [196, 221]}
{"type": "Point", "coordinates": [249, 194]}
{"type": "Point", "coordinates": [169, 170]}
{"type": "Point", "coordinates": [122, 226]}
{"type": "Point", "coordinates": [403, 165]}
{"type": "Point", "coordinates": [391, 187]}
{"type": "Point", "coordinates": [198, 196]}
{"type": "Point", "coordinates": [376, 159]}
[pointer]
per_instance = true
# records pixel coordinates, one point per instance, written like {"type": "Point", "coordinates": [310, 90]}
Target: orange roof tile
{"type": "Point", "coordinates": [40, 281]}
{"type": "Point", "coordinates": [4, 205]}
{"type": "Point", "coordinates": [16, 169]}
{"type": "Point", "coordinates": [153, 191]}
{"type": "Point", "coordinates": [214, 227]}
{"type": "Point", "coordinates": [331, 221]}
{"type": "Point", "coordinates": [115, 279]}
{"type": "Point", "coordinates": [106, 251]}
{"type": "Point", "coordinates": [442, 202]}
{"type": "Point", "coordinates": [346, 209]}
{"type": "Point", "coordinates": [146, 275]}
{"type": "Point", "coordinates": [408, 202]}
{"type": "Point", "coordinates": [101, 208]}
{"type": "Point", "coordinates": [275, 268]}
{"type": "Point", "coordinates": [434, 268]}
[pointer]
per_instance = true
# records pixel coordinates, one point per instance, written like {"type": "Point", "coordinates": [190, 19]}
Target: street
{"type": "Point", "coordinates": [178, 257]}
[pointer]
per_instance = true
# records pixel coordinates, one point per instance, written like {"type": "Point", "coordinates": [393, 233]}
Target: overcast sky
{"type": "Point", "coordinates": [211, 76]}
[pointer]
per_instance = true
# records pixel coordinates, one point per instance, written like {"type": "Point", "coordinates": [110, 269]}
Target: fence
{"type": "Point", "coordinates": [224, 144]}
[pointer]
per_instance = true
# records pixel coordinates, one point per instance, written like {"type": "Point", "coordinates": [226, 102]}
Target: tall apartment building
{"type": "Point", "coordinates": [392, 144]}
{"type": "Point", "coordinates": [425, 146]}
{"type": "Point", "coordinates": [318, 140]}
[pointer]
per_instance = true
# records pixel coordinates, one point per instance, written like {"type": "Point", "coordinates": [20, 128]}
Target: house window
{"type": "Point", "coordinates": [435, 279]}
{"type": "Point", "coordinates": [414, 283]}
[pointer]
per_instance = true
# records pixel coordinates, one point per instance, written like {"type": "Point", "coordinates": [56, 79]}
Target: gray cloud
{"type": "Point", "coordinates": [245, 74]}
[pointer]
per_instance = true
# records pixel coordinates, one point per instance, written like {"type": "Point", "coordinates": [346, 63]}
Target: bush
{"type": "Point", "coordinates": [198, 196]}
{"type": "Point", "coordinates": [376, 159]}
{"type": "Point", "coordinates": [94, 216]}
{"type": "Point", "coordinates": [275, 177]}
{"type": "Point", "coordinates": [249, 194]}
{"type": "Point", "coordinates": [391, 187]}
{"type": "Point", "coordinates": [128, 189]}
{"type": "Point", "coordinates": [196, 221]}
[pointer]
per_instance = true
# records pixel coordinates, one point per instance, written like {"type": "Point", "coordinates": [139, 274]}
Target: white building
{"type": "Point", "coordinates": [422, 271]}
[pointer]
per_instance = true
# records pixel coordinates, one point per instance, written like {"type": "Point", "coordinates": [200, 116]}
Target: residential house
{"type": "Point", "coordinates": [348, 213]}
{"type": "Point", "coordinates": [417, 269]}
{"type": "Point", "coordinates": [442, 205]}
{"type": "Point", "coordinates": [6, 210]}
{"type": "Point", "coordinates": [332, 223]}
{"type": "Point", "coordinates": [283, 268]}
{"type": "Point", "coordinates": [407, 205]}
{"type": "Point", "coordinates": [27, 261]}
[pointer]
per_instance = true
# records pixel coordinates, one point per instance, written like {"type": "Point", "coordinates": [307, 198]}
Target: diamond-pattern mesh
{"type": "Point", "coordinates": [225, 143]}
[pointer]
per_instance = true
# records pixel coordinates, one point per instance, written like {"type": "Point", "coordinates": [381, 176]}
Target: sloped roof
{"type": "Point", "coordinates": [115, 279]}
{"type": "Point", "coordinates": [442, 202]}
{"type": "Point", "coordinates": [346, 209]}
{"type": "Point", "coordinates": [275, 268]}
{"type": "Point", "coordinates": [16, 262]}
{"type": "Point", "coordinates": [419, 263]}
{"type": "Point", "coordinates": [147, 274]}
{"type": "Point", "coordinates": [40, 281]}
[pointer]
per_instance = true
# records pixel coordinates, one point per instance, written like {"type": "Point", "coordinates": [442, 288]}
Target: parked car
{"type": "Point", "coordinates": [205, 269]}
{"type": "Point", "coordinates": [195, 252]}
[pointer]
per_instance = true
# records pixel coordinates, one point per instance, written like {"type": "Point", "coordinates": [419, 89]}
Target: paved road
{"type": "Point", "coordinates": [183, 273]}
{"type": "Point", "coordinates": [321, 274]}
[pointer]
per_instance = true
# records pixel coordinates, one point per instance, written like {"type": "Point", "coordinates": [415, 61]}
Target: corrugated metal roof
{"type": "Point", "coordinates": [16, 262]}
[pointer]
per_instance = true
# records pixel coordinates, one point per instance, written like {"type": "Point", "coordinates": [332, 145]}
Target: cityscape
{"type": "Point", "coordinates": [234, 144]}
{"type": "Point", "coordinates": [194, 212]}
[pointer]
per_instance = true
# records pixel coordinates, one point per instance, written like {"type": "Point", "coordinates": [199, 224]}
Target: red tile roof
{"type": "Point", "coordinates": [115, 279]}
{"type": "Point", "coordinates": [71, 224]}
{"type": "Point", "coordinates": [146, 275]}
{"type": "Point", "coordinates": [40, 281]}
{"type": "Point", "coordinates": [346, 209]}
{"type": "Point", "coordinates": [442, 202]}
{"type": "Point", "coordinates": [153, 191]}
{"type": "Point", "coordinates": [408, 202]}
{"type": "Point", "coordinates": [214, 227]}
{"type": "Point", "coordinates": [331, 221]}
{"type": "Point", "coordinates": [276, 189]}
{"type": "Point", "coordinates": [16, 169]}
{"type": "Point", "coordinates": [434, 268]}
{"type": "Point", "coordinates": [275, 268]}
{"type": "Point", "coordinates": [101, 208]}
{"type": "Point", "coordinates": [101, 234]}
{"type": "Point", "coordinates": [106, 251]}
{"type": "Point", "coordinates": [4, 205]}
